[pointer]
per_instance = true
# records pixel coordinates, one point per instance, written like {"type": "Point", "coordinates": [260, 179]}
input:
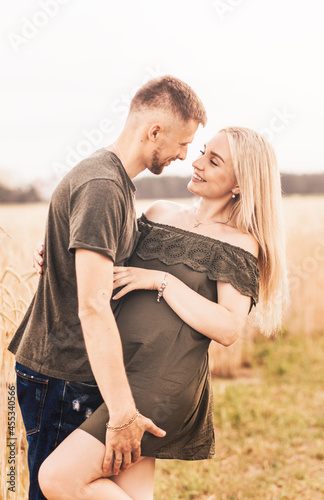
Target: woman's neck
{"type": "Point", "coordinates": [214, 210]}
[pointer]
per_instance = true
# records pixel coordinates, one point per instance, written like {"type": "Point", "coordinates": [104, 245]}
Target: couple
{"type": "Point", "coordinates": [192, 275]}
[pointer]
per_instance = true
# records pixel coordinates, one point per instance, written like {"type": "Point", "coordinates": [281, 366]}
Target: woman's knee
{"type": "Point", "coordinates": [44, 479]}
{"type": "Point", "coordinates": [74, 464]}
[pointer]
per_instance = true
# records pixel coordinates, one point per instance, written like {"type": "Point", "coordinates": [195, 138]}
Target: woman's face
{"type": "Point", "coordinates": [213, 175]}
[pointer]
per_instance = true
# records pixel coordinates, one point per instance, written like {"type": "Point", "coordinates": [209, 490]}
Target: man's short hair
{"type": "Point", "coordinates": [170, 94]}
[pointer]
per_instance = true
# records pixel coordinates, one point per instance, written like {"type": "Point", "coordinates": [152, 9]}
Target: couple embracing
{"type": "Point", "coordinates": [112, 354]}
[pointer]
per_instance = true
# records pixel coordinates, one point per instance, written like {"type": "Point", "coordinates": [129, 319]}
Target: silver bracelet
{"type": "Point", "coordinates": [162, 287]}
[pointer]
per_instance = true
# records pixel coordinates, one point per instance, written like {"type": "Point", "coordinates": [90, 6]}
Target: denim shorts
{"type": "Point", "coordinates": [51, 409]}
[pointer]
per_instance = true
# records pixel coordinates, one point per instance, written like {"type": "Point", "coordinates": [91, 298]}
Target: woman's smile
{"type": "Point", "coordinates": [197, 178]}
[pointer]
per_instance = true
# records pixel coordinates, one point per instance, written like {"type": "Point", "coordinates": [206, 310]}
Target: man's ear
{"type": "Point", "coordinates": [154, 131]}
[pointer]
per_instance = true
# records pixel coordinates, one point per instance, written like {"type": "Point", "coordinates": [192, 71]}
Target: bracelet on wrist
{"type": "Point", "coordinates": [123, 426]}
{"type": "Point", "coordinates": [162, 287]}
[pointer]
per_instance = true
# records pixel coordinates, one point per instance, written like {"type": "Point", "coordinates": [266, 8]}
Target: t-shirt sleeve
{"type": "Point", "coordinates": [97, 215]}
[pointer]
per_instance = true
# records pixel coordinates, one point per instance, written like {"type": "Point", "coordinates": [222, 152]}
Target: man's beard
{"type": "Point", "coordinates": [156, 166]}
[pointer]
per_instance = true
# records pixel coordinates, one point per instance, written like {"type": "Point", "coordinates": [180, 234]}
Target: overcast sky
{"type": "Point", "coordinates": [70, 67]}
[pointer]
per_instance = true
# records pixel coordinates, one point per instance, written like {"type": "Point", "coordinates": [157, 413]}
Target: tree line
{"type": "Point", "coordinates": [176, 187]}
{"type": "Point", "coordinates": [162, 187]}
{"type": "Point", "coordinates": [19, 195]}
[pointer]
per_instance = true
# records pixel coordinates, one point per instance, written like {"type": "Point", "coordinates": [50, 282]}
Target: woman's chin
{"type": "Point", "coordinates": [191, 187]}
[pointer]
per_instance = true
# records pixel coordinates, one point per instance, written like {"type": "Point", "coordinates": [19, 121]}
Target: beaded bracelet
{"type": "Point", "coordinates": [123, 426]}
{"type": "Point", "coordinates": [162, 287]}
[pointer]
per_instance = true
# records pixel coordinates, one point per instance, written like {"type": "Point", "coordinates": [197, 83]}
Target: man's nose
{"type": "Point", "coordinates": [183, 153]}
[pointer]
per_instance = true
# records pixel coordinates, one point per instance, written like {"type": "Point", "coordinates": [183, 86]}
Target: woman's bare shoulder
{"type": "Point", "coordinates": [163, 210]}
{"type": "Point", "coordinates": [246, 241]}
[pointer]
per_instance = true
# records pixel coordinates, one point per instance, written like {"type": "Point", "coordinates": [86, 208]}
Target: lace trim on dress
{"type": "Point", "coordinates": [220, 260]}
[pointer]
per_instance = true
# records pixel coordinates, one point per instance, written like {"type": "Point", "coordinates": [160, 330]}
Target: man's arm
{"type": "Point", "coordinates": [94, 274]}
{"type": "Point", "coordinates": [94, 280]}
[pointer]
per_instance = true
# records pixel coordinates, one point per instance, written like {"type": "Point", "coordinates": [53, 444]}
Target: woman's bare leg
{"type": "Point", "coordinates": [73, 471]}
{"type": "Point", "coordinates": [138, 480]}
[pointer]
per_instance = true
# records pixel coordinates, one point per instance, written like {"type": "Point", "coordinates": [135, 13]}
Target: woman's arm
{"type": "Point", "coordinates": [222, 322]}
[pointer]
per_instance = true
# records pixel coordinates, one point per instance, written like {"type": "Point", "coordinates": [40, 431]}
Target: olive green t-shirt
{"type": "Point", "coordinates": [92, 208]}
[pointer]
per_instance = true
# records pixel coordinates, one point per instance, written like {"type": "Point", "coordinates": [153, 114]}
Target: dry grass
{"type": "Point", "coordinates": [269, 425]}
{"type": "Point", "coordinates": [269, 431]}
{"type": "Point", "coordinates": [305, 245]}
{"type": "Point", "coordinates": [15, 293]}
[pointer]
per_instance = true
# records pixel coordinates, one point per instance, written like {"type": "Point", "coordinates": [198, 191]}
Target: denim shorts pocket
{"type": "Point", "coordinates": [31, 392]}
{"type": "Point", "coordinates": [92, 385]}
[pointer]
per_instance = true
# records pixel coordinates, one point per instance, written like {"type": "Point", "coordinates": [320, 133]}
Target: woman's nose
{"type": "Point", "coordinates": [197, 164]}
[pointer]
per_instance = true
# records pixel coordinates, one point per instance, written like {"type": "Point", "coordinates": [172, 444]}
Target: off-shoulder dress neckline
{"type": "Point", "coordinates": [200, 236]}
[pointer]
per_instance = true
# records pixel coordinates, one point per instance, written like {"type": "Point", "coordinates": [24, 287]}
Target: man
{"type": "Point", "coordinates": [68, 340]}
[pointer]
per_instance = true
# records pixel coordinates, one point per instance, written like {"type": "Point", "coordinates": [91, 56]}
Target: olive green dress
{"type": "Point", "coordinates": [166, 360]}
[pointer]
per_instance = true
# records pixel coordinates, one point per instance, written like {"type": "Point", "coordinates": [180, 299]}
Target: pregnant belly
{"type": "Point", "coordinates": [156, 341]}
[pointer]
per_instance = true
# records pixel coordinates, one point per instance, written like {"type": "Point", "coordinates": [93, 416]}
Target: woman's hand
{"type": "Point", "coordinates": [135, 278]}
{"type": "Point", "coordinates": [38, 258]}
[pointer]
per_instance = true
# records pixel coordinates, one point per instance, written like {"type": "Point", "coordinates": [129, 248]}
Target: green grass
{"type": "Point", "coordinates": [269, 431]}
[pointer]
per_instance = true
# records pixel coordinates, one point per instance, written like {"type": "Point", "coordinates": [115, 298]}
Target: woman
{"type": "Point", "coordinates": [206, 263]}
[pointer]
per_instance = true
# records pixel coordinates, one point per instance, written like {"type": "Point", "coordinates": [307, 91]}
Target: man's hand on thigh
{"type": "Point", "coordinates": [123, 447]}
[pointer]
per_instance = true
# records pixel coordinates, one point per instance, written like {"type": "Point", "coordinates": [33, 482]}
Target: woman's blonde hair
{"type": "Point", "coordinates": [258, 210]}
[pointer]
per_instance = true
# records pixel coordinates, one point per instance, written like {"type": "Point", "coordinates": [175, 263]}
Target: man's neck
{"type": "Point", "coordinates": [127, 150]}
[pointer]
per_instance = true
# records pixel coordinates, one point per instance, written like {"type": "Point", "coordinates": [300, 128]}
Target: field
{"type": "Point", "coordinates": [269, 394]}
